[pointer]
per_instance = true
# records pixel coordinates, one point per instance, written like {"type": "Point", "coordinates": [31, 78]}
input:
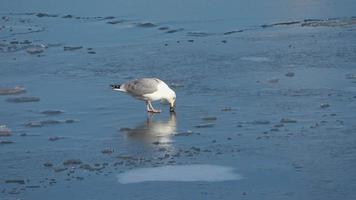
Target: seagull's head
{"type": "Point", "coordinates": [171, 98]}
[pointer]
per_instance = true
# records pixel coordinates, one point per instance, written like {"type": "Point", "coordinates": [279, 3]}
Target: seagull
{"type": "Point", "coordinates": [148, 90]}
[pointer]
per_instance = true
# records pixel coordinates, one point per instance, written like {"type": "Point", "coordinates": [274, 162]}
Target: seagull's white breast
{"type": "Point", "coordinates": [161, 93]}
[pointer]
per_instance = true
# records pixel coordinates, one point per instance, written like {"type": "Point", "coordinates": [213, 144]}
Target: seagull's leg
{"type": "Point", "coordinates": [148, 106]}
{"type": "Point", "coordinates": [152, 109]}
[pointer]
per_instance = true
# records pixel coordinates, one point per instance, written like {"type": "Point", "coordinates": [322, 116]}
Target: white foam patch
{"type": "Point", "coordinates": [181, 173]}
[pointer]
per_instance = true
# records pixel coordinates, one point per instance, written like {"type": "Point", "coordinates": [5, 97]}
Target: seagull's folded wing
{"type": "Point", "coordinates": [141, 87]}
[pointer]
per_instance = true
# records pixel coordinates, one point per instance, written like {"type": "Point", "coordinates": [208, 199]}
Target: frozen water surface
{"type": "Point", "coordinates": [264, 87]}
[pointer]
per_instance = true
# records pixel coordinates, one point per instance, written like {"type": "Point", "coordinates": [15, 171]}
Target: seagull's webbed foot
{"type": "Point", "coordinates": [154, 111]}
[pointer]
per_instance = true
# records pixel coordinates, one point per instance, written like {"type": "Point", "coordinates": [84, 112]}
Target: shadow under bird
{"type": "Point", "coordinates": [148, 90]}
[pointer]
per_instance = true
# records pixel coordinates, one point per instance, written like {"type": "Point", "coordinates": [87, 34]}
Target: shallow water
{"type": "Point", "coordinates": [238, 104]}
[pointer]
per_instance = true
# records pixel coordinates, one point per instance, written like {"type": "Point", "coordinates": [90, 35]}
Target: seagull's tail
{"type": "Point", "coordinates": [118, 88]}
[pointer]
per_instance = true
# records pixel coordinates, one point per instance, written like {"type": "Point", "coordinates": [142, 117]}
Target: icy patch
{"type": "Point", "coordinates": [181, 173]}
{"type": "Point", "coordinates": [256, 59]}
{"type": "Point", "coordinates": [4, 130]}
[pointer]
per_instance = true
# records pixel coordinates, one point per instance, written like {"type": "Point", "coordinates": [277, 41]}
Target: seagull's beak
{"type": "Point", "coordinates": [172, 106]}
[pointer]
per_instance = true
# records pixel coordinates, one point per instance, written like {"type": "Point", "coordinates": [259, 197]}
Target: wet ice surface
{"type": "Point", "coordinates": [271, 95]}
{"type": "Point", "coordinates": [181, 173]}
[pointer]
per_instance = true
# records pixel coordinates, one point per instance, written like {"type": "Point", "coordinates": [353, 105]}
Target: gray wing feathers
{"type": "Point", "coordinates": [141, 86]}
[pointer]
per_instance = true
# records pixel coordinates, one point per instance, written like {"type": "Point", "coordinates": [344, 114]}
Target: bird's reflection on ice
{"type": "Point", "coordinates": [152, 131]}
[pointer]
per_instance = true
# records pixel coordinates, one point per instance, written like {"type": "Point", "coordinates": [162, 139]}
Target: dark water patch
{"type": "Point", "coordinates": [67, 16]}
{"type": "Point", "coordinates": [209, 118]}
{"type": "Point", "coordinates": [163, 28]}
{"type": "Point", "coordinates": [12, 91]}
{"type": "Point", "coordinates": [45, 122]}
{"type": "Point", "coordinates": [46, 15]}
{"type": "Point", "coordinates": [260, 122]}
{"type": "Point", "coordinates": [32, 186]}
{"type": "Point", "coordinates": [146, 25]}
{"type": "Point", "coordinates": [108, 17]}
{"type": "Point", "coordinates": [52, 112]}
{"type": "Point", "coordinates": [22, 99]}
{"type": "Point", "coordinates": [290, 74]}
{"type": "Point", "coordinates": [125, 129]}
{"type": "Point", "coordinates": [72, 48]}
{"type": "Point", "coordinates": [48, 122]}
{"type": "Point", "coordinates": [55, 138]}
{"type": "Point", "coordinates": [226, 109]}
{"type": "Point", "coordinates": [324, 105]}
{"type": "Point", "coordinates": [28, 134]}
{"type": "Point", "coordinates": [48, 164]}
{"type": "Point", "coordinates": [19, 14]}
{"type": "Point", "coordinates": [14, 42]}
{"type": "Point", "coordinates": [175, 30]}
{"type": "Point", "coordinates": [126, 157]}
{"type": "Point", "coordinates": [25, 42]}
{"type": "Point", "coordinates": [91, 168]}
{"type": "Point", "coordinates": [273, 80]}
{"type": "Point", "coordinates": [6, 142]}
{"type": "Point", "coordinates": [301, 92]}
{"type": "Point", "coordinates": [116, 22]}
{"type": "Point", "coordinates": [198, 34]}
{"type": "Point", "coordinates": [69, 121]}
{"type": "Point", "coordinates": [288, 120]}
{"type": "Point", "coordinates": [278, 125]}
{"type": "Point", "coordinates": [316, 125]}
{"type": "Point", "coordinates": [60, 169]}
{"type": "Point", "coordinates": [5, 18]}
{"type": "Point", "coordinates": [72, 162]}
{"type": "Point", "coordinates": [207, 125]}
{"type": "Point", "coordinates": [158, 143]}
{"type": "Point", "coordinates": [107, 151]}
{"type": "Point", "coordinates": [17, 181]}
{"type": "Point", "coordinates": [196, 149]}
{"type": "Point", "coordinates": [233, 32]}
{"type": "Point", "coordinates": [280, 24]}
